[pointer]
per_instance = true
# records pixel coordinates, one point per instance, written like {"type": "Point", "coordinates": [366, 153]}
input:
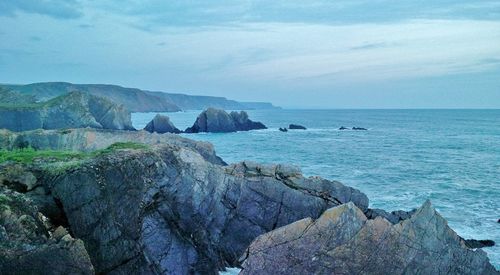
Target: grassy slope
{"type": "Point", "coordinates": [29, 155]}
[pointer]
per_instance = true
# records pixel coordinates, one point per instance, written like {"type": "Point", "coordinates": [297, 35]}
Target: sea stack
{"type": "Point", "coordinates": [219, 121]}
{"type": "Point", "coordinates": [161, 124]}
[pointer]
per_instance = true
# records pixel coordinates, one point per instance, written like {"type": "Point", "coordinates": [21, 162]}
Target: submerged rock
{"type": "Point", "coordinates": [283, 129]}
{"type": "Point", "coordinates": [359, 129]}
{"type": "Point", "coordinates": [219, 121]}
{"type": "Point", "coordinates": [343, 128]}
{"type": "Point", "coordinates": [73, 110]}
{"type": "Point", "coordinates": [296, 127]}
{"type": "Point", "coordinates": [344, 241]}
{"type": "Point", "coordinates": [161, 124]}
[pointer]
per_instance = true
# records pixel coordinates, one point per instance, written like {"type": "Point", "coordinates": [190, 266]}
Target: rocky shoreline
{"type": "Point", "coordinates": [171, 206]}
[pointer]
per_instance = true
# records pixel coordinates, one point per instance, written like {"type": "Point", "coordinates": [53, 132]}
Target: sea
{"type": "Point", "coordinates": [451, 157]}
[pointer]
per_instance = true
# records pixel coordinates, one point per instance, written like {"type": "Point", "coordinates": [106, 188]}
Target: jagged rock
{"type": "Point", "coordinates": [161, 124]}
{"type": "Point", "coordinates": [296, 127]}
{"type": "Point", "coordinates": [219, 121]}
{"type": "Point", "coordinates": [73, 110]}
{"type": "Point", "coordinates": [168, 210]}
{"type": "Point", "coordinates": [344, 241]}
{"type": "Point", "coordinates": [283, 129]}
{"type": "Point", "coordinates": [25, 245]}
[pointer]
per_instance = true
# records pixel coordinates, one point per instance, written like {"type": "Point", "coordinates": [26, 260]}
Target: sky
{"type": "Point", "coordinates": [295, 54]}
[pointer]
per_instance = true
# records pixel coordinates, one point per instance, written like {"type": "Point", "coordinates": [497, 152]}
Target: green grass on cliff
{"type": "Point", "coordinates": [28, 155]}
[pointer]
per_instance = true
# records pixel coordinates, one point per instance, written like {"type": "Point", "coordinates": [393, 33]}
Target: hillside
{"type": "Point", "coordinates": [71, 110]}
{"type": "Point", "coordinates": [135, 100]}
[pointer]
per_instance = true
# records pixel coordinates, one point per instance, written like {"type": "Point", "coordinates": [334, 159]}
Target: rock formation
{"type": "Point", "coordinates": [344, 241]}
{"type": "Point", "coordinates": [161, 124]}
{"type": "Point", "coordinates": [283, 129]}
{"type": "Point", "coordinates": [219, 121]}
{"type": "Point", "coordinates": [73, 110]}
{"type": "Point", "coordinates": [174, 207]}
{"type": "Point", "coordinates": [296, 127]}
{"type": "Point", "coordinates": [28, 246]}
{"type": "Point", "coordinates": [87, 140]}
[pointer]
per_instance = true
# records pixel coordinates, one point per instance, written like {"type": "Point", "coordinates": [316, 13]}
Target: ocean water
{"type": "Point", "coordinates": [451, 157]}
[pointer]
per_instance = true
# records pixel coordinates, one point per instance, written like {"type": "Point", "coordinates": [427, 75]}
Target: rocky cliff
{"type": "Point", "coordinates": [72, 110]}
{"type": "Point", "coordinates": [172, 208]}
{"type": "Point", "coordinates": [135, 100]}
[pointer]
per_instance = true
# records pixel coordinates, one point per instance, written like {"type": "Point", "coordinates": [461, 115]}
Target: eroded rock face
{"type": "Point", "coordinates": [168, 210]}
{"type": "Point", "coordinates": [28, 247]}
{"type": "Point", "coordinates": [161, 124]}
{"type": "Point", "coordinates": [219, 121]}
{"type": "Point", "coordinates": [73, 110]}
{"type": "Point", "coordinates": [344, 241]}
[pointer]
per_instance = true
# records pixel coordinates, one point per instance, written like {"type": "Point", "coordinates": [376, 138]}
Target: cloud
{"type": "Point", "coordinates": [150, 15]}
{"type": "Point", "coordinates": [60, 9]}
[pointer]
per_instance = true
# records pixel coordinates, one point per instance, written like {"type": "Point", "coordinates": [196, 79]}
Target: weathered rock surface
{"type": "Point", "coordinates": [168, 210]}
{"type": "Point", "coordinates": [296, 127]}
{"type": "Point", "coordinates": [344, 241]}
{"type": "Point", "coordinates": [219, 121]}
{"type": "Point", "coordinates": [87, 140]}
{"type": "Point", "coordinates": [26, 244]}
{"type": "Point", "coordinates": [73, 110]}
{"type": "Point", "coordinates": [161, 124]}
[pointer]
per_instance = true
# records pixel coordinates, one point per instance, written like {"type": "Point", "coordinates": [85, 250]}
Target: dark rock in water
{"type": "Point", "coordinates": [283, 129]}
{"type": "Point", "coordinates": [28, 247]}
{"type": "Point", "coordinates": [359, 129]}
{"type": "Point", "coordinates": [471, 243]}
{"type": "Point", "coordinates": [296, 127]}
{"type": "Point", "coordinates": [344, 241]}
{"type": "Point", "coordinates": [343, 128]}
{"type": "Point", "coordinates": [73, 110]}
{"type": "Point", "coordinates": [219, 121]}
{"type": "Point", "coordinates": [161, 124]}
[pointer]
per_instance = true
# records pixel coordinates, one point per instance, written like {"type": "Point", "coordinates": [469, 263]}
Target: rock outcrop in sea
{"type": "Point", "coordinates": [173, 207]}
{"type": "Point", "coordinates": [219, 121]}
{"type": "Point", "coordinates": [73, 110]}
{"type": "Point", "coordinates": [296, 127]}
{"type": "Point", "coordinates": [161, 124]}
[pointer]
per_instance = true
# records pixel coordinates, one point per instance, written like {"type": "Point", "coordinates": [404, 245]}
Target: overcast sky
{"type": "Point", "coordinates": [309, 54]}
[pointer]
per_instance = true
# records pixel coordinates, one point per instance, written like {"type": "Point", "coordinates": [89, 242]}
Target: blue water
{"type": "Point", "coordinates": [407, 156]}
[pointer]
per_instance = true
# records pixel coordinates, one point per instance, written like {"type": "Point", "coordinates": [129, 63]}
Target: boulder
{"type": "Point", "coordinates": [72, 110]}
{"type": "Point", "coordinates": [296, 127]}
{"type": "Point", "coordinates": [161, 124]}
{"type": "Point", "coordinates": [343, 241]}
{"type": "Point", "coordinates": [219, 121]}
{"type": "Point", "coordinates": [343, 128]}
